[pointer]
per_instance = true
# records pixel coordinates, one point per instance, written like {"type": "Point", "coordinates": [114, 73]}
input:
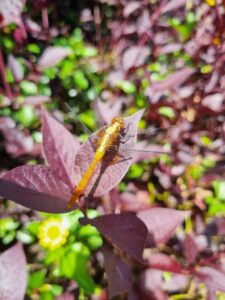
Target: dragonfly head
{"type": "Point", "coordinates": [119, 121]}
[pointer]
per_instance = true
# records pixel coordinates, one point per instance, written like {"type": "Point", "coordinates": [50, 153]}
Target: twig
{"type": "Point", "coordinates": [6, 85]}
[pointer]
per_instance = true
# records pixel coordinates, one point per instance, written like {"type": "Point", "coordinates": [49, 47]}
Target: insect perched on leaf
{"type": "Point", "coordinates": [50, 188]}
{"type": "Point", "coordinates": [108, 138]}
{"type": "Point", "coordinates": [112, 148]}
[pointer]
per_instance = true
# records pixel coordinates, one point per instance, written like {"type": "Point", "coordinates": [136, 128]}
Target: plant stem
{"type": "Point", "coordinates": [6, 85]}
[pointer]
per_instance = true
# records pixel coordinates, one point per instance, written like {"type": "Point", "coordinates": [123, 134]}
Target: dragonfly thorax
{"type": "Point", "coordinates": [118, 121]}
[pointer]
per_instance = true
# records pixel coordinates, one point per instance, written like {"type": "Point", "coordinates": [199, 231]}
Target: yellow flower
{"type": "Point", "coordinates": [53, 233]}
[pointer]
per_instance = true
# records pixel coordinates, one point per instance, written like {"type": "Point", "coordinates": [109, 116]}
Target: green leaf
{"type": "Point", "coordinates": [67, 264]}
{"type": "Point", "coordinates": [9, 237]}
{"type": "Point", "coordinates": [219, 189]}
{"type": "Point", "coordinates": [56, 289]}
{"type": "Point", "coordinates": [126, 86]}
{"type": "Point", "coordinates": [206, 69]}
{"type": "Point", "coordinates": [28, 88]}
{"type": "Point", "coordinates": [196, 171]}
{"type": "Point", "coordinates": [92, 213]}
{"type": "Point", "coordinates": [216, 209]}
{"type": "Point", "coordinates": [33, 227]}
{"type": "Point", "coordinates": [37, 136]}
{"type": "Point", "coordinates": [25, 115]}
{"type": "Point", "coordinates": [34, 48]}
{"type": "Point", "coordinates": [24, 237]}
{"type": "Point", "coordinates": [8, 43]}
{"type": "Point", "coordinates": [9, 76]}
{"type": "Point", "coordinates": [47, 296]}
{"type": "Point", "coordinates": [122, 186]}
{"type": "Point", "coordinates": [72, 219]}
{"type": "Point", "coordinates": [67, 69]}
{"type": "Point", "coordinates": [206, 141]}
{"type": "Point", "coordinates": [54, 256]}
{"type": "Point", "coordinates": [51, 73]}
{"type": "Point", "coordinates": [167, 111]}
{"type": "Point", "coordinates": [80, 80]}
{"type": "Point", "coordinates": [135, 171]}
{"type": "Point", "coordinates": [95, 242]}
{"type": "Point", "coordinates": [36, 279]}
{"type": "Point", "coordinates": [88, 119]}
{"type": "Point", "coordinates": [90, 52]}
{"type": "Point", "coordinates": [81, 274]}
{"type": "Point", "coordinates": [8, 224]}
{"type": "Point", "coordinates": [208, 162]}
{"type": "Point", "coordinates": [87, 231]}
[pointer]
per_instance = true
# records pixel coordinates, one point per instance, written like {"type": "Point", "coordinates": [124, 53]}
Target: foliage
{"type": "Point", "coordinates": [155, 231]}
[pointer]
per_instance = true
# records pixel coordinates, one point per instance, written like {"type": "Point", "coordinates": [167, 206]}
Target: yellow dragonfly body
{"type": "Point", "coordinates": [107, 139]}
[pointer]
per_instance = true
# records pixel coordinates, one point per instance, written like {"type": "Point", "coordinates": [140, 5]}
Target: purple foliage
{"type": "Point", "coordinates": [10, 11]}
{"type": "Point", "coordinates": [52, 56]}
{"type": "Point", "coordinates": [161, 223]}
{"type": "Point", "coordinates": [117, 272]}
{"type": "Point", "coordinates": [49, 188]}
{"type": "Point", "coordinates": [126, 231]}
{"type": "Point", "coordinates": [13, 277]}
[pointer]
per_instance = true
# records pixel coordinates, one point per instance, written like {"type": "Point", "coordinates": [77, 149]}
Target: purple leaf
{"type": "Point", "coordinates": [60, 149]}
{"type": "Point", "coordinates": [52, 56]}
{"type": "Point", "coordinates": [107, 111]}
{"type": "Point", "coordinates": [161, 223]}
{"type": "Point", "coordinates": [125, 231]}
{"type": "Point", "coordinates": [13, 277]}
{"type": "Point", "coordinates": [49, 189]}
{"type": "Point", "coordinates": [190, 248]}
{"type": "Point", "coordinates": [220, 225]}
{"type": "Point", "coordinates": [10, 11]}
{"type": "Point", "coordinates": [151, 282]}
{"type": "Point", "coordinates": [177, 283]}
{"type": "Point", "coordinates": [107, 175]}
{"type": "Point", "coordinates": [164, 262]}
{"type": "Point", "coordinates": [36, 187]}
{"type": "Point", "coordinates": [133, 202]}
{"type": "Point", "coordinates": [16, 142]}
{"type": "Point", "coordinates": [117, 272]}
{"type": "Point", "coordinates": [214, 102]}
{"type": "Point", "coordinates": [131, 7]}
{"type": "Point", "coordinates": [214, 279]}
{"type": "Point", "coordinates": [135, 56]}
{"type": "Point", "coordinates": [173, 5]}
{"type": "Point", "coordinates": [36, 100]}
{"type": "Point", "coordinates": [173, 81]}
{"type": "Point", "coordinates": [15, 68]}
{"type": "Point", "coordinates": [170, 48]}
{"type": "Point", "coordinates": [65, 296]}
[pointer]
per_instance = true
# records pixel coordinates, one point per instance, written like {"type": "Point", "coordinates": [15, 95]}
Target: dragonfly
{"type": "Point", "coordinates": [107, 140]}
